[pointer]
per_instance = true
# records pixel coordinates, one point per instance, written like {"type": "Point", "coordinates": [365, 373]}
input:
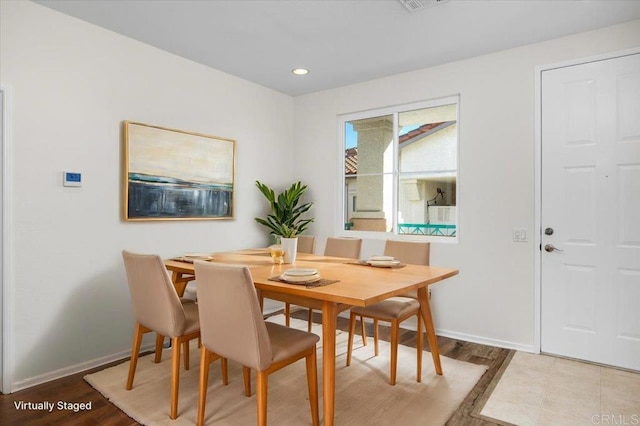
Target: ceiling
{"type": "Point", "coordinates": [340, 42]}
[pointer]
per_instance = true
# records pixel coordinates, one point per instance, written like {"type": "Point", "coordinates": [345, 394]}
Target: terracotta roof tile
{"type": "Point", "coordinates": [351, 154]}
{"type": "Point", "coordinates": [351, 161]}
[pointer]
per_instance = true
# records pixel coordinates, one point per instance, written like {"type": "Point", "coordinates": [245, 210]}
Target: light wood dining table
{"type": "Point", "coordinates": [356, 285]}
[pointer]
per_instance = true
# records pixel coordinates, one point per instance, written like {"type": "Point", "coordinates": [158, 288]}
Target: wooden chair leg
{"type": "Point", "coordinates": [287, 313]}
{"type": "Point", "coordinates": [186, 354]}
{"type": "Point", "coordinates": [204, 379]}
{"type": "Point", "coordinates": [376, 337]}
{"type": "Point", "coordinates": [419, 344]}
{"type": "Point", "coordinates": [310, 320]}
{"type": "Point", "coordinates": [312, 383]}
{"type": "Point", "coordinates": [246, 376]}
{"type": "Point", "coordinates": [352, 329]}
{"type": "Point", "coordinates": [225, 371]}
{"type": "Point", "coordinates": [363, 331]}
{"type": "Point", "coordinates": [261, 397]}
{"type": "Point", "coordinates": [175, 376]}
{"type": "Point", "coordinates": [395, 328]}
{"type": "Point", "coordinates": [159, 343]}
{"type": "Point", "coordinates": [135, 350]}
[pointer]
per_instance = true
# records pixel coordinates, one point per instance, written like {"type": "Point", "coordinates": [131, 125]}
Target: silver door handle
{"type": "Point", "coordinates": [549, 248]}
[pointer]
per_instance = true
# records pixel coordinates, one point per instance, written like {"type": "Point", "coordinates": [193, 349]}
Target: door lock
{"type": "Point", "coordinates": [550, 247]}
{"type": "Point", "coordinates": [548, 231]}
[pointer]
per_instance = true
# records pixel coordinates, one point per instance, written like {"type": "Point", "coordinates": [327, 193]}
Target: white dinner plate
{"type": "Point", "coordinates": [383, 263]}
{"type": "Point", "coordinates": [300, 272]}
{"type": "Point", "coordinates": [300, 280]}
{"type": "Point", "coordinates": [381, 258]}
{"type": "Point", "coordinates": [197, 256]}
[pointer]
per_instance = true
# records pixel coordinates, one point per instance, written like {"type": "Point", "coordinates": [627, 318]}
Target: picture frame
{"type": "Point", "coordinates": [173, 174]}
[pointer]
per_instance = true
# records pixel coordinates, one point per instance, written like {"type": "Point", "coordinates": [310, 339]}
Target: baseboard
{"type": "Point", "coordinates": [410, 324]}
{"type": "Point", "coordinates": [67, 371]}
{"type": "Point", "coordinates": [73, 369]}
{"type": "Point", "coordinates": [486, 341]}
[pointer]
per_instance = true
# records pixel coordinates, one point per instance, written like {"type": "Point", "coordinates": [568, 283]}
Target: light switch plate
{"type": "Point", "coordinates": [519, 235]}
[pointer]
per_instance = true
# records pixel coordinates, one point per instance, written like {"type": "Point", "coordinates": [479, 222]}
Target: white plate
{"type": "Point", "coordinates": [197, 256]}
{"type": "Point", "coordinates": [381, 258]}
{"type": "Point", "coordinates": [383, 263]}
{"type": "Point", "coordinates": [300, 280]}
{"type": "Point", "coordinates": [300, 272]}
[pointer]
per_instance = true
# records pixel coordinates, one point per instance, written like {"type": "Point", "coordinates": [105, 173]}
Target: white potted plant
{"type": "Point", "coordinates": [286, 219]}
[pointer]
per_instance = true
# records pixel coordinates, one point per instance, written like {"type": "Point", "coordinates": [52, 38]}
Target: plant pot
{"type": "Point", "coordinates": [290, 246]}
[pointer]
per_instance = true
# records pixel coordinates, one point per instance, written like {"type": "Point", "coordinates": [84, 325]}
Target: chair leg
{"type": "Point", "coordinates": [312, 383]}
{"type": "Point", "coordinates": [395, 328]}
{"type": "Point", "coordinates": [135, 350]}
{"type": "Point", "coordinates": [310, 320]}
{"type": "Point", "coordinates": [363, 331]}
{"type": "Point", "coordinates": [159, 343]}
{"type": "Point", "coordinates": [246, 376]}
{"type": "Point", "coordinates": [261, 397]}
{"type": "Point", "coordinates": [376, 337]}
{"type": "Point", "coordinates": [352, 329]}
{"type": "Point", "coordinates": [225, 371]}
{"type": "Point", "coordinates": [204, 379]}
{"type": "Point", "coordinates": [175, 376]}
{"type": "Point", "coordinates": [419, 349]}
{"type": "Point", "coordinates": [186, 354]}
{"type": "Point", "coordinates": [287, 312]}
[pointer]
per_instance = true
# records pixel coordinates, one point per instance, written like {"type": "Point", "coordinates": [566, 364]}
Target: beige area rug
{"type": "Point", "coordinates": [363, 393]}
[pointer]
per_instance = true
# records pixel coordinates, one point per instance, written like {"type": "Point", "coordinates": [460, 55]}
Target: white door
{"type": "Point", "coordinates": [2, 231]}
{"type": "Point", "coordinates": [590, 306]}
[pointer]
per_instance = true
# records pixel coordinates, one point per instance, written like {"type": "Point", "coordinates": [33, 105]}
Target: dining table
{"type": "Point", "coordinates": [344, 283]}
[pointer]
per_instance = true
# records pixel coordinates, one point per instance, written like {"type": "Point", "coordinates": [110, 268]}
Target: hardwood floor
{"type": "Point", "coordinates": [75, 389]}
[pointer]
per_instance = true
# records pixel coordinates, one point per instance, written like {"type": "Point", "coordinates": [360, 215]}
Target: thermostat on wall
{"type": "Point", "coordinates": [71, 179]}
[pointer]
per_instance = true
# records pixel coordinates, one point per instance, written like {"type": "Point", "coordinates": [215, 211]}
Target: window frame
{"type": "Point", "coordinates": [342, 196]}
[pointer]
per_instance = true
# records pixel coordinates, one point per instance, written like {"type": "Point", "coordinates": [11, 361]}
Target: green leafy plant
{"type": "Point", "coordinates": [285, 218]}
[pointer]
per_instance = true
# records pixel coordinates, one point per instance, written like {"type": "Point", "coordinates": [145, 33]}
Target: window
{"type": "Point", "coordinates": [401, 164]}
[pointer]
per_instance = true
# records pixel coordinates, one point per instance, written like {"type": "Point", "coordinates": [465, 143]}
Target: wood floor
{"type": "Point", "coordinates": [75, 389]}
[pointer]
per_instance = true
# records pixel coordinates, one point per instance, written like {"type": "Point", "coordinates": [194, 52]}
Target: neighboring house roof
{"type": "Point", "coordinates": [417, 132]}
{"type": "Point", "coordinates": [351, 154]}
{"type": "Point", "coordinates": [351, 161]}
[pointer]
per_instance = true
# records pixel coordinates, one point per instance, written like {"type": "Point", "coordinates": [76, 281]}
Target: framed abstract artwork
{"type": "Point", "coordinates": [176, 175]}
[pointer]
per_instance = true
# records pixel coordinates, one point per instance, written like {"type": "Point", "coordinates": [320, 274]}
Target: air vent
{"type": "Point", "coordinates": [416, 5]}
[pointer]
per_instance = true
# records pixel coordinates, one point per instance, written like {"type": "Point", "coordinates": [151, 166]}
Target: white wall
{"type": "Point", "coordinates": [492, 299]}
{"type": "Point", "coordinates": [73, 84]}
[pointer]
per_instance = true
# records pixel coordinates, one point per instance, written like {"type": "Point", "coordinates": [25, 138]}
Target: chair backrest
{"type": "Point", "coordinates": [306, 243]}
{"type": "Point", "coordinates": [231, 322]}
{"type": "Point", "coordinates": [343, 247]}
{"type": "Point", "coordinates": [155, 301]}
{"type": "Point", "coordinates": [411, 252]}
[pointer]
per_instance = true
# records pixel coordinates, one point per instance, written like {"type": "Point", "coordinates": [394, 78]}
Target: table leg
{"type": "Point", "coordinates": [425, 309]}
{"type": "Point", "coordinates": [329, 320]}
{"type": "Point", "coordinates": [179, 282]}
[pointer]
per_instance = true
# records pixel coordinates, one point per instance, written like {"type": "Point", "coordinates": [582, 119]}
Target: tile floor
{"type": "Point", "coordinates": [543, 390]}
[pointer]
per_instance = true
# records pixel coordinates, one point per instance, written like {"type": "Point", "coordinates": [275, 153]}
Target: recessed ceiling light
{"type": "Point", "coordinates": [300, 71]}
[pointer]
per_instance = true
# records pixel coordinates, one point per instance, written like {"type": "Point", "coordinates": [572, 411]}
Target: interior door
{"type": "Point", "coordinates": [590, 201]}
{"type": "Point", "coordinates": [2, 232]}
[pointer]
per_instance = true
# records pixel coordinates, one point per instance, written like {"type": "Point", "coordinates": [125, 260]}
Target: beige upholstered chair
{"type": "Point", "coordinates": [343, 247]}
{"type": "Point", "coordinates": [339, 247]}
{"type": "Point", "coordinates": [306, 244]}
{"type": "Point", "coordinates": [395, 309]}
{"type": "Point", "coordinates": [158, 308]}
{"type": "Point", "coordinates": [226, 295]}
